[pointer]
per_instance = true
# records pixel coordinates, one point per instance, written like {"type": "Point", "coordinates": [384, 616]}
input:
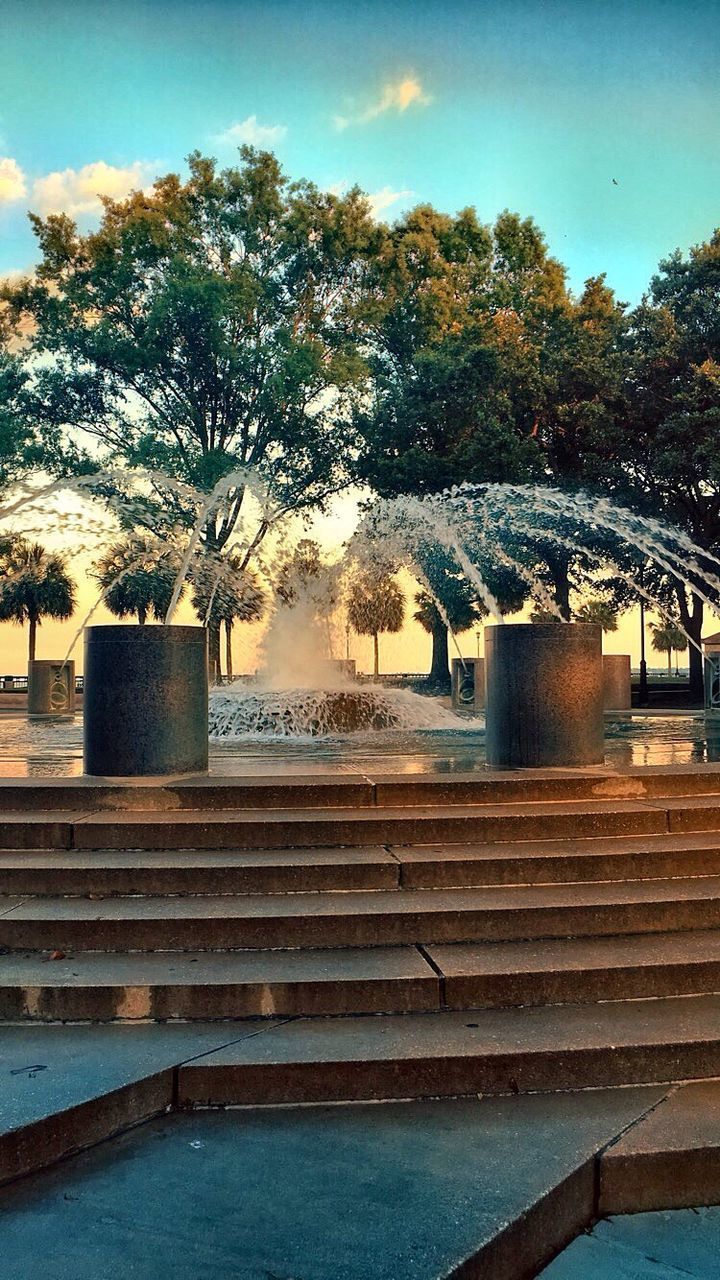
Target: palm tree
{"type": "Point", "coordinates": [226, 593]}
{"type": "Point", "coordinates": [599, 611]}
{"type": "Point", "coordinates": [138, 575]}
{"type": "Point", "coordinates": [666, 636]}
{"type": "Point", "coordinates": [34, 584]}
{"type": "Point", "coordinates": [375, 603]}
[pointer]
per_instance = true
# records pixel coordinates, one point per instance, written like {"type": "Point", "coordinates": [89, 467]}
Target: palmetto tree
{"type": "Point", "coordinates": [225, 593]}
{"type": "Point", "coordinates": [375, 604]}
{"type": "Point", "coordinates": [138, 574]}
{"type": "Point", "coordinates": [666, 636]}
{"type": "Point", "coordinates": [34, 584]}
{"type": "Point", "coordinates": [598, 611]}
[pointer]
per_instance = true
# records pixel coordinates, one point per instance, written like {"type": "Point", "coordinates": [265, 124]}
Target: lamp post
{"type": "Point", "coordinates": [478, 637]}
{"type": "Point", "coordinates": [643, 691]}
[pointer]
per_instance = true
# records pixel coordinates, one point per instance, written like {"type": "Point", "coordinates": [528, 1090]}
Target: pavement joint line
{"type": "Point", "coordinates": [227, 1044]}
{"type": "Point", "coordinates": [20, 903]}
{"type": "Point", "coordinates": [632, 1124]}
{"type": "Point", "coordinates": [437, 970]}
{"type": "Point", "coordinates": [674, 1087]}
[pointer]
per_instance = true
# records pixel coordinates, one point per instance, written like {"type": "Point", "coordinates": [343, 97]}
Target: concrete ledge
{"type": "Point", "coordinates": [64, 1133]}
{"type": "Point", "coordinates": [668, 1160]}
{"type": "Point", "coordinates": [334, 790]}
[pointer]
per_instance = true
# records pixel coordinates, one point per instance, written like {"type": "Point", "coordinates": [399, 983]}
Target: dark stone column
{"type": "Point", "coordinates": [145, 701]}
{"type": "Point", "coordinates": [616, 682]}
{"type": "Point", "coordinates": [51, 688]}
{"type": "Point", "coordinates": [544, 695]}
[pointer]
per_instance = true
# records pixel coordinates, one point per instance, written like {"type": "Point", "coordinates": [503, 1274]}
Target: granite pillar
{"type": "Point", "coordinates": [544, 695]}
{"type": "Point", "coordinates": [146, 700]}
{"type": "Point", "coordinates": [468, 684]}
{"type": "Point", "coordinates": [616, 682]}
{"type": "Point", "coordinates": [51, 688]}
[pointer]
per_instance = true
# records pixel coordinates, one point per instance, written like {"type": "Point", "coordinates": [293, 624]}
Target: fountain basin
{"type": "Point", "coordinates": [146, 701]}
{"type": "Point", "coordinates": [245, 712]}
{"type": "Point", "coordinates": [544, 695]}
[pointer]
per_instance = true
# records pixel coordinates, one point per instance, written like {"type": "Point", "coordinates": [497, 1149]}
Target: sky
{"type": "Point", "coordinates": [598, 120]}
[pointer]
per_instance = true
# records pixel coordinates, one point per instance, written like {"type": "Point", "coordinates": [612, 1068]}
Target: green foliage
{"type": "Point", "coordinates": [34, 584]}
{"type": "Point", "coordinates": [224, 591]}
{"type": "Point", "coordinates": [138, 575]}
{"type": "Point", "coordinates": [600, 612]}
{"type": "Point", "coordinates": [667, 636]}
{"type": "Point", "coordinates": [375, 603]}
{"type": "Point", "coordinates": [209, 324]}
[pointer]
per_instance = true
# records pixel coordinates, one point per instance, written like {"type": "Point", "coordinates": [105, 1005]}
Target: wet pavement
{"type": "Point", "coordinates": [54, 748]}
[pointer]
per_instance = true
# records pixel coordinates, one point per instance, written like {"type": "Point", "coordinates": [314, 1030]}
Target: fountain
{"type": "Point", "coordinates": [146, 685]}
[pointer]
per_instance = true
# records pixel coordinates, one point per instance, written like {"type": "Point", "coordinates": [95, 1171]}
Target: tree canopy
{"type": "Point", "coordinates": [138, 575]}
{"type": "Point", "coordinates": [34, 584]}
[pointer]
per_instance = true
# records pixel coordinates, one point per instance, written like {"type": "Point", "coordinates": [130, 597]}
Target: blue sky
{"type": "Point", "coordinates": [527, 105]}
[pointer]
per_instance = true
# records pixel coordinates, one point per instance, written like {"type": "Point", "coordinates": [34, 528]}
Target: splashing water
{"type": "Point", "coordinates": [241, 711]}
{"type": "Point", "coordinates": [298, 693]}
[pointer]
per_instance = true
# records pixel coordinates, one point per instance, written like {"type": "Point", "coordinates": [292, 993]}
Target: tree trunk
{"type": "Point", "coordinates": [692, 620]}
{"type": "Point", "coordinates": [142, 614]}
{"type": "Point", "coordinates": [440, 665]}
{"type": "Point", "coordinates": [33, 635]}
{"type": "Point", "coordinates": [669, 662]}
{"type": "Point", "coordinates": [228, 648]}
{"type": "Point", "coordinates": [559, 565]}
{"type": "Point", "coordinates": [214, 668]}
{"type": "Point", "coordinates": [376, 654]}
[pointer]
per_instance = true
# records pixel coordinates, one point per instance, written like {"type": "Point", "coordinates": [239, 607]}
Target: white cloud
{"type": "Point", "coordinates": [381, 200]}
{"type": "Point", "coordinates": [251, 133]}
{"type": "Point", "coordinates": [378, 200]}
{"type": "Point", "coordinates": [397, 96]}
{"type": "Point", "coordinates": [12, 181]}
{"type": "Point", "coordinates": [78, 191]}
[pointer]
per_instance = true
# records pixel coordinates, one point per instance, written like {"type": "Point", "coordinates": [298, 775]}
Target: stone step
{"type": "Point", "coordinates": [279, 828]}
{"type": "Point", "coordinates": [670, 1159]}
{"type": "Point", "coordinates": [106, 872]}
{"type": "Point", "coordinates": [493, 1051]}
{"type": "Point", "coordinates": [578, 970]}
{"type": "Point", "coordinates": [360, 918]}
{"type": "Point", "coordinates": [101, 986]}
{"type": "Point", "coordinates": [287, 790]}
{"type": "Point", "coordinates": [437, 866]}
{"type": "Point", "coordinates": [166, 985]}
{"type": "Point", "coordinates": [69, 872]}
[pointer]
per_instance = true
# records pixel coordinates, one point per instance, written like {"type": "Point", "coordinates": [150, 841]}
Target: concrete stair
{"type": "Point", "coordinates": [518, 933]}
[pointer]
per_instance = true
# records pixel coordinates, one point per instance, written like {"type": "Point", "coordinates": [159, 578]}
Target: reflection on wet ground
{"type": "Point", "coordinates": [54, 748]}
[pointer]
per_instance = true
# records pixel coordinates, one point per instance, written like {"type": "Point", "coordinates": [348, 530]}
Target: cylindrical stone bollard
{"type": "Point", "coordinates": [145, 701]}
{"type": "Point", "coordinates": [543, 695]}
{"type": "Point", "coordinates": [51, 688]}
{"type": "Point", "coordinates": [616, 682]}
{"type": "Point", "coordinates": [468, 684]}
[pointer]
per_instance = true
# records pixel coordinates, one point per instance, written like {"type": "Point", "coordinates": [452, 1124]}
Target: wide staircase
{"type": "Point", "coordinates": [515, 932]}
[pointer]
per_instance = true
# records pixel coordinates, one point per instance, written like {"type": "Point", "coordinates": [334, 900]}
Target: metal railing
{"type": "Point", "coordinates": [19, 684]}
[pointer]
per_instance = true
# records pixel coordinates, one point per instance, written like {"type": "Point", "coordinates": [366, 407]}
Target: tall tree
{"type": "Point", "coordinates": [34, 584]}
{"type": "Point", "coordinates": [210, 324]}
{"type": "Point", "coordinates": [448, 602]}
{"type": "Point", "coordinates": [666, 637]}
{"type": "Point", "coordinates": [224, 593]}
{"type": "Point", "coordinates": [664, 456]}
{"type": "Point", "coordinates": [486, 369]}
{"type": "Point", "coordinates": [375, 604]}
